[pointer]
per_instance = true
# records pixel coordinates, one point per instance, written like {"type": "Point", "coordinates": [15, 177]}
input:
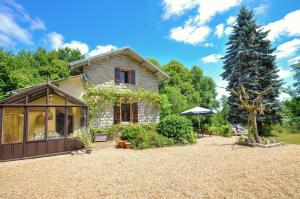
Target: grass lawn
{"type": "Point", "coordinates": [293, 138]}
{"type": "Point", "coordinates": [212, 168]}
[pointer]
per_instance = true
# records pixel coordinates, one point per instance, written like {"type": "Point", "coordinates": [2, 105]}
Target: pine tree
{"type": "Point", "coordinates": [249, 61]}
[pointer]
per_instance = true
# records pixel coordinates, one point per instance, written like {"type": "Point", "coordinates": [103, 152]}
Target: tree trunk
{"type": "Point", "coordinates": [254, 125]}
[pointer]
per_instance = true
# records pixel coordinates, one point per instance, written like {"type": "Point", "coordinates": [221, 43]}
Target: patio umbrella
{"type": "Point", "coordinates": [198, 111]}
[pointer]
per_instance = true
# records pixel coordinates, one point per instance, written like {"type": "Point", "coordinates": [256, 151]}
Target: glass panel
{"type": "Point", "coordinates": [36, 123]}
{"type": "Point", "coordinates": [56, 99]}
{"type": "Point", "coordinates": [41, 100]}
{"type": "Point", "coordinates": [125, 112]}
{"type": "Point", "coordinates": [13, 125]}
{"type": "Point", "coordinates": [21, 100]}
{"type": "Point", "coordinates": [56, 123]}
{"type": "Point", "coordinates": [124, 77]}
{"type": "Point", "coordinates": [75, 119]}
{"type": "Point", "coordinates": [37, 98]}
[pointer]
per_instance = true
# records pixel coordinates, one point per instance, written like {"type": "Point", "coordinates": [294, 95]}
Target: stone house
{"type": "Point", "coordinates": [121, 69]}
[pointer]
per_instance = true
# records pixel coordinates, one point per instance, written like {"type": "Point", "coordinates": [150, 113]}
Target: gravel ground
{"type": "Point", "coordinates": [212, 168]}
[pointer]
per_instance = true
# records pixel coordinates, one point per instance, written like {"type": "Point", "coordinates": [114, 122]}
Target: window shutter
{"type": "Point", "coordinates": [132, 76]}
{"type": "Point", "coordinates": [117, 75]}
{"type": "Point", "coordinates": [117, 114]}
{"type": "Point", "coordinates": [135, 113]}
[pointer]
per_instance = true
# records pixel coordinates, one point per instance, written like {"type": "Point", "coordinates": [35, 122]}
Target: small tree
{"type": "Point", "coordinates": [252, 107]}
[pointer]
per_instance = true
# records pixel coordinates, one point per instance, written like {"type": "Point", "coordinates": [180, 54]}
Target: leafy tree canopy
{"type": "Point", "coordinates": [27, 68]}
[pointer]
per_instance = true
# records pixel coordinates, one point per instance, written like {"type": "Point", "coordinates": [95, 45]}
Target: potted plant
{"type": "Point", "coordinates": [84, 136]}
{"type": "Point", "coordinates": [127, 145]}
{"type": "Point", "coordinates": [121, 144]}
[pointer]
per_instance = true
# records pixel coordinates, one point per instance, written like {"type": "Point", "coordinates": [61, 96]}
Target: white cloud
{"type": "Point", "coordinates": [209, 44]}
{"type": "Point", "coordinates": [195, 26]}
{"type": "Point", "coordinates": [16, 24]}
{"type": "Point", "coordinates": [294, 60]}
{"type": "Point", "coordinates": [231, 20]}
{"type": "Point", "coordinates": [288, 49]}
{"type": "Point", "coordinates": [262, 9]}
{"type": "Point", "coordinates": [221, 89]}
{"type": "Point", "coordinates": [213, 58]}
{"type": "Point", "coordinates": [77, 45]}
{"type": "Point", "coordinates": [102, 49]}
{"type": "Point", "coordinates": [287, 26]}
{"type": "Point", "coordinates": [10, 28]}
{"type": "Point", "coordinates": [219, 30]}
{"type": "Point", "coordinates": [228, 30]}
{"type": "Point", "coordinates": [20, 12]}
{"type": "Point", "coordinates": [177, 7]}
{"type": "Point", "coordinates": [5, 40]}
{"type": "Point", "coordinates": [56, 40]}
{"type": "Point", "coordinates": [284, 96]}
{"type": "Point", "coordinates": [190, 34]}
{"type": "Point", "coordinates": [282, 73]}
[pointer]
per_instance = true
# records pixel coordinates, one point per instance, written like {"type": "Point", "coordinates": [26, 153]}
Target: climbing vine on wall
{"type": "Point", "coordinates": [101, 98]}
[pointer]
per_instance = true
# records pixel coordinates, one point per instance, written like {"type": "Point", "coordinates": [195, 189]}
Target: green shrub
{"type": "Point", "coordinates": [84, 136]}
{"type": "Point", "coordinates": [224, 130]}
{"type": "Point", "coordinates": [115, 131]}
{"type": "Point", "coordinates": [133, 132]}
{"type": "Point", "coordinates": [178, 128]}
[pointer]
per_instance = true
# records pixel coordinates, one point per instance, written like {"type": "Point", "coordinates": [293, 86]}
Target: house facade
{"type": "Point", "coordinates": [121, 69]}
{"type": "Point", "coordinates": [39, 120]}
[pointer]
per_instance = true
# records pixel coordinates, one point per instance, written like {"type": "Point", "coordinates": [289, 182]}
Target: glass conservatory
{"type": "Point", "coordinates": [39, 121]}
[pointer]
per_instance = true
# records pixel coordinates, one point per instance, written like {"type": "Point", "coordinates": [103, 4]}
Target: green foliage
{"type": "Point", "coordinates": [154, 61]}
{"type": "Point", "coordinates": [132, 132]}
{"type": "Point", "coordinates": [115, 131]}
{"type": "Point", "coordinates": [250, 61]}
{"type": "Point", "coordinates": [83, 135]}
{"type": "Point", "coordinates": [144, 136]}
{"type": "Point", "coordinates": [220, 118]}
{"type": "Point", "coordinates": [296, 69]}
{"type": "Point", "coordinates": [187, 88]}
{"type": "Point", "coordinates": [112, 132]}
{"type": "Point", "coordinates": [178, 128]}
{"type": "Point", "coordinates": [292, 112]}
{"type": "Point", "coordinates": [223, 130]}
{"type": "Point", "coordinates": [177, 100]}
{"type": "Point", "coordinates": [99, 98]}
{"type": "Point", "coordinates": [27, 68]}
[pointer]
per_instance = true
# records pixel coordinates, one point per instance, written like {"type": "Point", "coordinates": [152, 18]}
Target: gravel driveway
{"type": "Point", "coordinates": [212, 168]}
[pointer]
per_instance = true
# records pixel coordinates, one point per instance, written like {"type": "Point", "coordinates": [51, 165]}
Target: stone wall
{"type": "Point", "coordinates": [147, 112]}
{"type": "Point", "coordinates": [101, 72]}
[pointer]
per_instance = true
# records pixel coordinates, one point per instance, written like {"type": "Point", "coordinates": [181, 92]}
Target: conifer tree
{"type": "Point", "coordinates": [249, 61]}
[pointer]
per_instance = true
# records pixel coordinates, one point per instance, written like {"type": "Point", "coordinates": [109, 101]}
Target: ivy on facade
{"type": "Point", "coordinates": [101, 98]}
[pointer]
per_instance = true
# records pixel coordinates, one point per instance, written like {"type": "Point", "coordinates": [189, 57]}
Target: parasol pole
{"type": "Point", "coordinates": [199, 120]}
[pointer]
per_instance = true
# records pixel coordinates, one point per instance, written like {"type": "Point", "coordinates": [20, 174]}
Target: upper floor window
{"type": "Point", "coordinates": [124, 76]}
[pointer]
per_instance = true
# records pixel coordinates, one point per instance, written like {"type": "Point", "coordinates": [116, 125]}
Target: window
{"type": "Point", "coordinates": [56, 123]}
{"type": "Point", "coordinates": [125, 112]}
{"type": "Point", "coordinates": [13, 125]}
{"type": "Point", "coordinates": [124, 76]}
{"type": "Point", "coordinates": [75, 119]}
{"type": "Point", "coordinates": [36, 123]}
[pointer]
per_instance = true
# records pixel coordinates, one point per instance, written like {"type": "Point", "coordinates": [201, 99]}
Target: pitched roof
{"type": "Point", "coordinates": [125, 51]}
{"type": "Point", "coordinates": [39, 88]}
{"type": "Point", "coordinates": [13, 92]}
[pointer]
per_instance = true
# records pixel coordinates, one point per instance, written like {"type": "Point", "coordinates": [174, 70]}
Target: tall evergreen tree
{"type": "Point", "coordinates": [249, 61]}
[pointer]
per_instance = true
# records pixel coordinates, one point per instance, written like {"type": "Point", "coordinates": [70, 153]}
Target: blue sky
{"type": "Point", "coordinates": [193, 32]}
